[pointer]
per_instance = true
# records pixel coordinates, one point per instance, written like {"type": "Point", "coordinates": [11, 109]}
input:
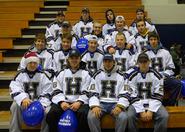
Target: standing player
{"type": "Point", "coordinates": [53, 29]}
{"type": "Point", "coordinates": [70, 92]}
{"type": "Point", "coordinates": [140, 15]}
{"type": "Point", "coordinates": [27, 86]}
{"type": "Point", "coordinates": [85, 25]}
{"type": "Point", "coordinates": [110, 25]}
{"type": "Point", "coordinates": [93, 57]}
{"type": "Point", "coordinates": [146, 87]}
{"type": "Point", "coordinates": [108, 96]}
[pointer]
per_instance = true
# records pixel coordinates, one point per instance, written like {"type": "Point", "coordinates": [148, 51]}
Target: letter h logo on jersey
{"type": "Point", "coordinates": [108, 88]}
{"type": "Point", "coordinates": [92, 66]}
{"type": "Point", "coordinates": [121, 64]}
{"type": "Point", "coordinates": [31, 89]}
{"type": "Point", "coordinates": [157, 64]}
{"type": "Point", "coordinates": [73, 85]}
{"type": "Point", "coordinates": [144, 89]}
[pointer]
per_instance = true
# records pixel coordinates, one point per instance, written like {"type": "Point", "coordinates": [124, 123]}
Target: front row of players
{"type": "Point", "coordinates": [138, 95]}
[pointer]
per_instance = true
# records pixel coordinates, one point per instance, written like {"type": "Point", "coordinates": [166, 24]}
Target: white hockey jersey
{"type": "Point", "coordinates": [71, 86]}
{"type": "Point", "coordinates": [110, 39]}
{"type": "Point", "coordinates": [60, 60]}
{"type": "Point", "coordinates": [52, 32]}
{"type": "Point", "coordinates": [93, 60]}
{"type": "Point", "coordinates": [124, 59]}
{"type": "Point", "coordinates": [36, 86]}
{"type": "Point", "coordinates": [141, 42]}
{"type": "Point", "coordinates": [146, 90]}
{"type": "Point", "coordinates": [134, 31]}
{"type": "Point", "coordinates": [82, 28]}
{"type": "Point", "coordinates": [45, 56]}
{"type": "Point", "coordinates": [161, 61]}
{"type": "Point", "coordinates": [108, 87]}
{"type": "Point", "coordinates": [108, 28]}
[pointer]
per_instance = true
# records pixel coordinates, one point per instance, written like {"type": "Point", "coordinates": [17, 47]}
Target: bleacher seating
{"type": "Point", "coordinates": [21, 19]}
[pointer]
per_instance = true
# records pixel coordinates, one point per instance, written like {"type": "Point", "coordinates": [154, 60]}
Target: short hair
{"type": "Point", "coordinates": [67, 36]}
{"type": "Point", "coordinates": [153, 34]}
{"type": "Point", "coordinates": [120, 33]}
{"type": "Point", "coordinates": [40, 36]}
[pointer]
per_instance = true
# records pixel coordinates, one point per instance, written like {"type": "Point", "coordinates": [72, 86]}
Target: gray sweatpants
{"type": "Point", "coordinates": [120, 120]}
{"type": "Point", "coordinates": [16, 119]}
{"type": "Point", "coordinates": [160, 119]}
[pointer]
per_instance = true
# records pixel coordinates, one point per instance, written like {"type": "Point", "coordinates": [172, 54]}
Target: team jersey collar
{"type": "Point", "coordinates": [31, 73]}
{"type": "Point", "coordinates": [120, 50]}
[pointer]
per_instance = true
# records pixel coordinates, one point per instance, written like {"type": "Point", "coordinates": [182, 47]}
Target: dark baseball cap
{"type": "Point", "coordinates": [108, 57]}
{"type": "Point", "coordinates": [85, 9]}
{"type": "Point", "coordinates": [74, 52]}
{"type": "Point", "coordinates": [143, 57]}
{"type": "Point", "coordinates": [60, 13]}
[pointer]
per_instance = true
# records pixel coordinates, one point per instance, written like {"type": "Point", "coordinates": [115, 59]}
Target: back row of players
{"type": "Point", "coordinates": [113, 48]}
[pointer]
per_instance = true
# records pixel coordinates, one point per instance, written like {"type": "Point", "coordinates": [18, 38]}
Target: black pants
{"type": "Point", "coordinates": [55, 112]}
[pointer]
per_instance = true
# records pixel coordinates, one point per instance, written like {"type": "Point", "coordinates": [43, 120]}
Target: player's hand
{"type": "Point", "coordinates": [111, 50]}
{"type": "Point", "coordinates": [128, 46]}
{"type": "Point", "coordinates": [65, 106]}
{"type": "Point", "coordinates": [26, 102]}
{"type": "Point", "coordinates": [75, 106]}
{"type": "Point", "coordinates": [143, 116]}
{"type": "Point", "coordinates": [97, 111]}
{"type": "Point", "coordinates": [149, 115]}
{"type": "Point", "coordinates": [116, 111]}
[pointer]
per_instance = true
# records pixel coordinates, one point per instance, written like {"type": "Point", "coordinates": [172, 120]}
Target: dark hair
{"type": "Point", "coordinates": [40, 36]}
{"type": "Point", "coordinates": [153, 34]}
{"type": "Point", "coordinates": [67, 36]}
{"type": "Point", "coordinates": [114, 17]}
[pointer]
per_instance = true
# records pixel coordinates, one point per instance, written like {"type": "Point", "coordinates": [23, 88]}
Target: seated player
{"type": "Point", "coordinates": [29, 85]}
{"type": "Point", "coordinates": [93, 57]}
{"type": "Point", "coordinates": [140, 15]}
{"type": "Point", "coordinates": [108, 96]}
{"type": "Point", "coordinates": [70, 92]}
{"type": "Point", "coordinates": [146, 89]}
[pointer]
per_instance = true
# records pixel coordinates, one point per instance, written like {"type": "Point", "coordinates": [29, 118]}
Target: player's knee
{"type": "Point", "coordinates": [14, 107]}
{"type": "Point", "coordinates": [123, 117]}
{"type": "Point", "coordinates": [91, 116]}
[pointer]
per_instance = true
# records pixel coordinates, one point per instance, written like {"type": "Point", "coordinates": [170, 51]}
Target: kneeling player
{"type": "Point", "coordinates": [146, 87]}
{"type": "Point", "coordinates": [108, 95]}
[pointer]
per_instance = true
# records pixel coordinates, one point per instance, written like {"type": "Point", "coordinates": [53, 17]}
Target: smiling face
{"type": "Point", "coordinates": [92, 45]}
{"type": "Point", "coordinates": [40, 44]}
{"type": "Point", "coordinates": [120, 41]}
{"type": "Point", "coordinates": [32, 66]}
{"type": "Point", "coordinates": [97, 28]}
{"type": "Point", "coordinates": [74, 62]}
